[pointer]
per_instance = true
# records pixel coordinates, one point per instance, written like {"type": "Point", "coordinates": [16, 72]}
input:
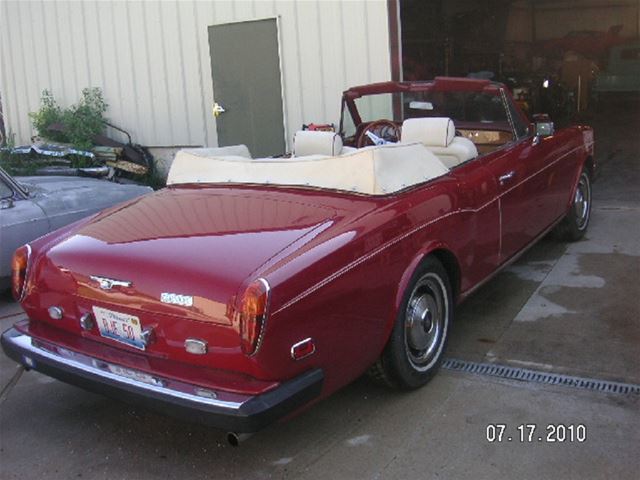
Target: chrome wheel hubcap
{"type": "Point", "coordinates": [582, 202]}
{"type": "Point", "coordinates": [425, 321]}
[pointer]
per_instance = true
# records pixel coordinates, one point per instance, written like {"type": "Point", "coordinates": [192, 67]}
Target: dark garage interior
{"type": "Point", "coordinates": [558, 57]}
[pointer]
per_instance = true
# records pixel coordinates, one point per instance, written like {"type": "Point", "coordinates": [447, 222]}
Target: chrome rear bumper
{"type": "Point", "coordinates": [225, 410]}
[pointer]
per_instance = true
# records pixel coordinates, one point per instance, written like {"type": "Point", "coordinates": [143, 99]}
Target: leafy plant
{"type": "Point", "coordinates": [49, 114]}
{"type": "Point", "coordinates": [77, 125]}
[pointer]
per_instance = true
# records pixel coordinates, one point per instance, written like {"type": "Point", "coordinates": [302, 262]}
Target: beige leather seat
{"type": "Point", "coordinates": [438, 134]}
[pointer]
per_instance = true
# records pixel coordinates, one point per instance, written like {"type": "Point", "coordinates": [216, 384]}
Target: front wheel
{"type": "Point", "coordinates": [574, 225]}
{"type": "Point", "coordinates": [417, 343]}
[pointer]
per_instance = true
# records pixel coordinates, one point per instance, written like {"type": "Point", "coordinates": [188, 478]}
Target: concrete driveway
{"type": "Point", "coordinates": [564, 308]}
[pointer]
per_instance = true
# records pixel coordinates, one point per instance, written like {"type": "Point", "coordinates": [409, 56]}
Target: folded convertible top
{"type": "Point", "coordinates": [378, 170]}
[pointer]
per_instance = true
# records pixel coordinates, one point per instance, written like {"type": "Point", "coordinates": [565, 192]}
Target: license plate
{"type": "Point", "coordinates": [134, 375]}
{"type": "Point", "coordinates": [120, 327]}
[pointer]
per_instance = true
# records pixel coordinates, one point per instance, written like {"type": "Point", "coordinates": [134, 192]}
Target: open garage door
{"type": "Point", "coordinates": [557, 57]}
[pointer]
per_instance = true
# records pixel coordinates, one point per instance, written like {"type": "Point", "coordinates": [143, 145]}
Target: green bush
{"type": "Point", "coordinates": [48, 114]}
{"type": "Point", "coordinates": [81, 121]}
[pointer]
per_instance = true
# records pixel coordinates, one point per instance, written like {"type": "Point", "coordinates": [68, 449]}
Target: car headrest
{"type": "Point", "coordinates": [314, 142]}
{"type": "Point", "coordinates": [432, 132]}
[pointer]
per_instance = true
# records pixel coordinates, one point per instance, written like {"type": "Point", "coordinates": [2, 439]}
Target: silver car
{"type": "Point", "coordinates": [33, 206]}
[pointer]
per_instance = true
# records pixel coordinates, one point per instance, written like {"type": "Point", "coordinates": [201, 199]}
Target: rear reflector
{"type": "Point", "coordinates": [303, 349]}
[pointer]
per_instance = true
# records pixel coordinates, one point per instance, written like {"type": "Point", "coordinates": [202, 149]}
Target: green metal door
{"type": "Point", "coordinates": [245, 67]}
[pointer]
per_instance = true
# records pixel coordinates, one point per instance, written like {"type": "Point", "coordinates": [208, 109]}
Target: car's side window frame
{"type": "Point", "coordinates": [17, 193]}
{"type": "Point", "coordinates": [513, 118]}
{"type": "Point", "coordinates": [12, 193]}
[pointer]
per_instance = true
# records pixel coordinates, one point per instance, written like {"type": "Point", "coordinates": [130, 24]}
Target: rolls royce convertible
{"type": "Point", "coordinates": [250, 288]}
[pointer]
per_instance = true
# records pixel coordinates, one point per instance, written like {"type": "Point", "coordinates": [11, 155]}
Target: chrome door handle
{"type": "Point", "coordinates": [506, 177]}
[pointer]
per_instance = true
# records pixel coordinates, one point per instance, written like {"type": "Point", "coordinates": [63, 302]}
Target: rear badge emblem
{"type": "Point", "coordinates": [109, 283]}
{"type": "Point", "coordinates": [176, 299]}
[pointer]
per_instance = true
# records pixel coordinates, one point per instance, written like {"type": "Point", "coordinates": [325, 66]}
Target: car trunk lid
{"type": "Point", "coordinates": [182, 244]}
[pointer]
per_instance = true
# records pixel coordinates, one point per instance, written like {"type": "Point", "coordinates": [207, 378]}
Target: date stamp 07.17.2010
{"type": "Point", "coordinates": [533, 433]}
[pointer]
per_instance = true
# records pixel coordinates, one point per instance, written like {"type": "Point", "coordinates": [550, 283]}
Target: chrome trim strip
{"type": "Point", "coordinates": [14, 185]}
{"type": "Point", "coordinates": [499, 228]}
{"type": "Point", "coordinates": [24, 342]}
{"type": "Point", "coordinates": [505, 105]}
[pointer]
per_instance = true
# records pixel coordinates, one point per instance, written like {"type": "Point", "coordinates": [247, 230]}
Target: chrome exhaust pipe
{"type": "Point", "coordinates": [235, 439]}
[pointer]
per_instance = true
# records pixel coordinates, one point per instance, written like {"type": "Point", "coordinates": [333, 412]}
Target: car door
{"type": "Point", "coordinates": [527, 183]}
{"type": "Point", "coordinates": [547, 181]}
{"type": "Point", "coordinates": [511, 171]}
{"type": "Point", "coordinates": [479, 222]}
{"type": "Point", "coordinates": [21, 220]}
{"type": "Point", "coordinates": [564, 162]}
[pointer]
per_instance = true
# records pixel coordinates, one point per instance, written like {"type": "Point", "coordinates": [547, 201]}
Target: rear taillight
{"type": "Point", "coordinates": [253, 315]}
{"type": "Point", "coordinates": [19, 271]}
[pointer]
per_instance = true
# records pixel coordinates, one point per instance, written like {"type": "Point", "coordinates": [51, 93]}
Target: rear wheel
{"type": "Point", "coordinates": [417, 343]}
{"type": "Point", "coordinates": [574, 225]}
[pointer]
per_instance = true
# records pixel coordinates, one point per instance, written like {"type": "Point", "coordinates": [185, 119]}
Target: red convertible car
{"type": "Point", "coordinates": [249, 288]}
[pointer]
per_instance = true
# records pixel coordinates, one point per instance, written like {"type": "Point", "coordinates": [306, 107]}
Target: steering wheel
{"type": "Point", "coordinates": [385, 129]}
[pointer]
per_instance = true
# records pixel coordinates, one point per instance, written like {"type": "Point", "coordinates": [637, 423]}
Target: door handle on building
{"type": "Point", "coordinates": [217, 109]}
{"type": "Point", "coordinates": [506, 177]}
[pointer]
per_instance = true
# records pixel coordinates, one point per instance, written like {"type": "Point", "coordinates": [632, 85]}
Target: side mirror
{"type": "Point", "coordinates": [544, 129]}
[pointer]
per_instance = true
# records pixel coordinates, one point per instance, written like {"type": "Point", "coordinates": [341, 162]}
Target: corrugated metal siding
{"type": "Point", "coordinates": [151, 59]}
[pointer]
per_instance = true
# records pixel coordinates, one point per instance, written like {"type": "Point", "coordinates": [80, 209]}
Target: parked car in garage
{"type": "Point", "coordinates": [267, 284]}
{"type": "Point", "coordinates": [33, 206]}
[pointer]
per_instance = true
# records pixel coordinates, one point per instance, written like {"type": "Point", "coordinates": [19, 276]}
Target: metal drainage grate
{"type": "Point", "coordinates": [525, 375]}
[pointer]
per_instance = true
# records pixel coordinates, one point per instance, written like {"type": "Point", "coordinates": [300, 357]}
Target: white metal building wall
{"type": "Point", "coordinates": [151, 59]}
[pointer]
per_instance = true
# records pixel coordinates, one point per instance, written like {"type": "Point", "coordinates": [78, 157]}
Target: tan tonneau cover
{"type": "Point", "coordinates": [372, 171]}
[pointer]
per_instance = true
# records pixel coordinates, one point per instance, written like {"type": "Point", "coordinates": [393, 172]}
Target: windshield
{"type": "Point", "coordinates": [461, 106]}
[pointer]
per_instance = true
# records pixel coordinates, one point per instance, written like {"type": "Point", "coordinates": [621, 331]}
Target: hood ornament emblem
{"type": "Point", "coordinates": [109, 283]}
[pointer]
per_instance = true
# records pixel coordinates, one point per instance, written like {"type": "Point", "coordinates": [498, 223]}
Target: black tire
{"type": "Point", "coordinates": [574, 225]}
{"type": "Point", "coordinates": [424, 319]}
